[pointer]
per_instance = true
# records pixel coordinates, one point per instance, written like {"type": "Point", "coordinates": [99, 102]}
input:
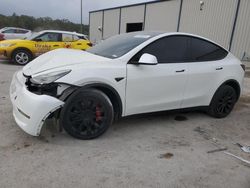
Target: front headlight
{"type": "Point", "coordinates": [4, 45]}
{"type": "Point", "coordinates": [49, 77]}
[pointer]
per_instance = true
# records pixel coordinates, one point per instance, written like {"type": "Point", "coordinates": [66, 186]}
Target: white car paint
{"type": "Point", "coordinates": [146, 88]}
{"type": "Point", "coordinates": [30, 110]}
{"type": "Point", "coordinates": [15, 33]}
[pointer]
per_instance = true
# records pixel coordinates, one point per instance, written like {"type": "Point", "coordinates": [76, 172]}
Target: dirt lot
{"type": "Point", "coordinates": [139, 151]}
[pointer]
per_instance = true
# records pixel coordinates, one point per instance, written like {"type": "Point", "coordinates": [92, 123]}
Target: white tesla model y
{"type": "Point", "coordinates": [126, 74]}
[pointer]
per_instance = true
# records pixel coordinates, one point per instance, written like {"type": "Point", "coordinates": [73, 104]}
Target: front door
{"type": "Point", "coordinates": [47, 42]}
{"type": "Point", "coordinates": [158, 87]}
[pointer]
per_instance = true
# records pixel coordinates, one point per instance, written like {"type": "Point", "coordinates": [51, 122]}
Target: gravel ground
{"type": "Point", "coordinates": [152, 150]}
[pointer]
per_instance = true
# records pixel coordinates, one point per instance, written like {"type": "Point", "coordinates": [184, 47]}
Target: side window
{"type": "Point", "coordinates": [202, 50]}
{"type": "Point", "coordinates": [50, 37]}
{"type": "Point", "coordinates": [21, 31]}
{"type": "Point", "coordinates": [9, 31]}
{"type": "Point", "coordinates": [172, 49]}
{"type": "Point", "coordinates": [67, 37]}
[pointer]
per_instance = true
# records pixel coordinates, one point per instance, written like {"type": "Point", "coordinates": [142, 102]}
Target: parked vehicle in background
{"type": "Point", "coordinates": [14, 33]}
{"type": "Point", "coordinates": [127, 74]}
{"type": "Point", "coordinates": [23, 51]}
{"type": "Point", "coordinates": [1, 37]}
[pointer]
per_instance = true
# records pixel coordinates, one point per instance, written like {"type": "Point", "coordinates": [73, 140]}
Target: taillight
{"type": "Point", "coordinates": [90, 44]}
{"type": "Point", "coordinates": [1, 36]}
{"type": "Point", "coordinates": [243, 67]}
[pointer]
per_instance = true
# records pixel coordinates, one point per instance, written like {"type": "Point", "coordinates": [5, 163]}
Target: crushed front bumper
{"type": "Point", "coordinates": [30, 110]}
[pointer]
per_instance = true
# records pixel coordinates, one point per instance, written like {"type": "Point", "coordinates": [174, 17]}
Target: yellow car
{"type": "Point", "coordinates": [23, 51]}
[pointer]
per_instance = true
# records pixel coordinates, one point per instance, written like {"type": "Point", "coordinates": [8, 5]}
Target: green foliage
{"type": "Point", "coordinates": [38, 24]}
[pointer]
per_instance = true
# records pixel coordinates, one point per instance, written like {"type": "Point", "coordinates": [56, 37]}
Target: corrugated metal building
{"type": "Point", "coordinates": [225, 21]}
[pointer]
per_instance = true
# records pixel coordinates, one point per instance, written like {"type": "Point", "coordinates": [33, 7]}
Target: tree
{"type": "Point", "coordinates": [38, 24]}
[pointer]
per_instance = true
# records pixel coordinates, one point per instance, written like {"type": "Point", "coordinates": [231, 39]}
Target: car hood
{"type": "Point", "coordinates": [61, 58]}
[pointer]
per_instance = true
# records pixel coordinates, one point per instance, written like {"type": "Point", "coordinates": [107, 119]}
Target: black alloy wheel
{"type": "Point", "coordinates": [87, 114]}
{"type": "Point", "coordinates": [223, 102]}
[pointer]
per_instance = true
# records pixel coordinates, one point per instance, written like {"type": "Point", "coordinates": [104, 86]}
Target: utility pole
{"type": "Point", "coordinates": [81, 18]}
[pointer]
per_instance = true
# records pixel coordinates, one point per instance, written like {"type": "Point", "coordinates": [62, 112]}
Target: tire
{"type": "Point", "coordinates": [87, 114]}
{"type": "Point", "coordinates": [223, 102]}
{"type": "Point", "coordinates": [21, 56]}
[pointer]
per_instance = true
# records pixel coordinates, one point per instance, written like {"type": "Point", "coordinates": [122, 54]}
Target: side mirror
{"type": "Point", "coordinates": [148, 59]}
{"type": "Point", "coordinates": [37, 40]}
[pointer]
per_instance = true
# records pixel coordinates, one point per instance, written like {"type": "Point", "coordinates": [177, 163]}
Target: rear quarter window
{"type": "Point", "coordinates": [202, 50]}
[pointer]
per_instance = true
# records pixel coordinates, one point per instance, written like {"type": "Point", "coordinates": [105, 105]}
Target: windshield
{"type": "Point", "coordinates": [31, 37]}
{"type": "Point", "coordinates": [119, 45]}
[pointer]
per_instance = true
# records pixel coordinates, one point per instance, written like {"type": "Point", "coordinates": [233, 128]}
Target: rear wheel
{"type": "Point", "coordinates": [87, 114]}
{"type": "Point", "coordinates": [21, 56]}
{"type": "Point", "coordinates": [223, 102]}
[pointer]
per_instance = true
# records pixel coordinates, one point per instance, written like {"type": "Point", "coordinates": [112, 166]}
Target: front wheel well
{"type": "Point", "coordinates": [111, 93]}
{"type": "Point", "coordinates": [114, 98]}
{"type": "Point", "coordinates": [22, 48]}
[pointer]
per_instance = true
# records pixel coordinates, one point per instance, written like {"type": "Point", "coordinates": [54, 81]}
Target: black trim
{"type": "Point", "coordinates": [234, 26]}
{"type": "Point", "coordinates": [184, 35]}
{"type": "Point", "coordinates": [126, 6]}
{"type": "Point", "coordinates": [102, 85]}
{"type": "Point", "coordinates": [144, 19]}
{"type": "Point", "coordinates": [89, 25]}
{"type": "Point", "coordinates": [120, 17]}
{"type": "Point", "coordinates": [138, 63]}
{"type": "Point", "coordinates": [73, 88]}
{"type": "Point", "coordinates": [179, 18]}
{"type": "Point", "coordinates": [102, 24]}
{"type": "Point", "coordinates": [119, 79]}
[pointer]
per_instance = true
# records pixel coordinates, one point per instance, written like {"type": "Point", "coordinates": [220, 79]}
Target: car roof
{"type": "Point", "coordinates": [65, 32]}
{"type": "Point", "coordinates": [14, 28]}
{"type": "Point", "coordinates": [163, 34]}
{"type": "Point", "coordinates": [192, 35]}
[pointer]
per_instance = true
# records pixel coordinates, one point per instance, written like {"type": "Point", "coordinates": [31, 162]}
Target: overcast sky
{"type": "Point", "coordinates": [68, 9]}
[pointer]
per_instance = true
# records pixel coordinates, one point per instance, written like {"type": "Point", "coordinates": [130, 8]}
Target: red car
{"type": "Point", "coordinates": [1, 37]}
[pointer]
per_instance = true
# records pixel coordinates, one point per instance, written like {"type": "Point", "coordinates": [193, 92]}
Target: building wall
{"type": "Point", "coordinates": [241, 39]}
{"type": "Point", "coordinates": [95, 19]}
{"type": "Point", "coordinates": [215, 20]}
{"type": "Point", "coordinates": [133, 14]}
{"type": "Point", "coordinates": [111, 23]}
{"type": "Point", "coordinates": [162, 16]}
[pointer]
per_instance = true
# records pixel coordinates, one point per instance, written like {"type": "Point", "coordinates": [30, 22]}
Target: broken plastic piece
{"type": "Point", "coordinates": [244, 148]}
{"type": "Point", "coordinates": [217, 150]}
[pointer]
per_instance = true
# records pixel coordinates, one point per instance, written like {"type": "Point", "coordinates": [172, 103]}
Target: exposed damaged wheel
{"type": "Point", "coordinates": [223, 102]}
{"type": "Point", "coordinates": [87, 114]}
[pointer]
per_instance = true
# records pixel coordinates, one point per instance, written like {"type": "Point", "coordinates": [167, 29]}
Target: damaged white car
{"type": "Point", "coordinates": [126, 74]}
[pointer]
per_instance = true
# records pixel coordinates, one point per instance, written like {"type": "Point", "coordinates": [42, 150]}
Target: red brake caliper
{"type": "Point", "coordinates": [98, 113]}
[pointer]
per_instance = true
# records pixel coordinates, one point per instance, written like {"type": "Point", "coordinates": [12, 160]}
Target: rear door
{"type": "Point", "coordinates": [80, 43]}
{"type": "Point", "coordinates": [21, 33]}
{"type": "Point", "coordinates": [158, 87]}
{"type": "Point", "coordinates": [205, 72]}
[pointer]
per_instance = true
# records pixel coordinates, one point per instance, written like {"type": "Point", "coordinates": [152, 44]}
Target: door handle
{"type": "Point", "coordinates": [219, 68]}
{"type": "Point", "coordinates": [178, 71]}
{"type": "Point", "coordinates": [79, 44]}
{"type": "Point", "coordinates": [55, 45]}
